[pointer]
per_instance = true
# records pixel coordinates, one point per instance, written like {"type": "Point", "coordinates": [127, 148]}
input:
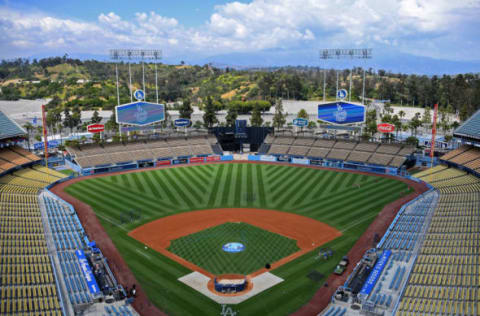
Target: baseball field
{"type": "Point", "coordinates": [126, 204]}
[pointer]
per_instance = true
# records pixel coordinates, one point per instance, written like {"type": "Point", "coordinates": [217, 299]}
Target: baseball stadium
{"type": "Point", "coordinates": [175, 224]}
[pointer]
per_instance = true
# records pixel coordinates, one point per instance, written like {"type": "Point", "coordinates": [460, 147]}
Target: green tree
{"type": "Point", "coordinates": [210, 115]}
{"type": "Point", "coordinates": [186, 109]}
{"type": "Point", "coordinates": [415, 123]}
{"type": "Point", "coordinates": [302, 114]}
{"type": "Point", "coordinates": [232, 115]}
{"type": "Point", "coordinates": [398, 125]}
{"type": "Point", "coordinates": [371, 122]}
{"type": "Point", "coordinates": [96, 118]}
{"type": "Point", "coordinates": [111, 124]}
{"type": "Point", "coordinates": [256, 118]}
{"type": "Point", "coordinates": [279, 119]}
{"type": "Point", "coordinates": [427, 117]}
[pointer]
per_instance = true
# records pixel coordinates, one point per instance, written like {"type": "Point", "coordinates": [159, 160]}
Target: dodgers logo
{"type": "Point", "coordinates": [233, 247]}
{"type": "Point", "coordinates": [340, 114]}
{"type": "Point", "coordinates": [141, 115]}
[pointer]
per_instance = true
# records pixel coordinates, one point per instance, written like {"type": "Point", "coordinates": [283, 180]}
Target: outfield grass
{"type": "Point", "coordinates": [261, 247]}
{"type": "Point", "coordinates": [346, 201]}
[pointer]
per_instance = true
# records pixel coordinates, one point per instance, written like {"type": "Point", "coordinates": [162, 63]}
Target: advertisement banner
{"type": "Point", "coordinates": [197, 159]}
{"type": "Point", "coordinates": [253, 158]}
{"type": "Point", "coordinates": [227, 158]}
{"type": "Point", "coordinates": [41, 145]}
{"type": "Point", "coordinates": [179, 161]}
{"type": "Point", "coordinates": [386, 128]}
{"type": "Point", "coordinates": [300, 122]}
{"type": "Point", "coordinates": [87, 272]}
{"type": "Point", "coordinates": [375, 273]}
{"type": "Point", "coordinates": [283, 158]}
{"type": "Point", "coordinates": [181, 122]}
{"type": "Point", "coordinates": [301, 161]}
{"type": "Point", "coordinates": [268, 158]}
{"type": "Point", "coordinates": [95, 128]}
{"type": "Point", "coordinates": [213, 158]}
{"type": "Point", "coordinates": [140, 113]}
{"type": "Point", "coordinates": [341, 113]}
{"type": "Point", "coordinates": [316, 162]}
{"type": "Point", "coordinates": [162, 163]}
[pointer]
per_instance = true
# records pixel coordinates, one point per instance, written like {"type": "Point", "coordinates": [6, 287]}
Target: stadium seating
{"type": "Point", "coordinates": [445, 279]}
{"type": "Point", "coordinates": [27, 283]}
{"type": "Point", "coordinates": [97, 155]}
{"type": "Point", "coordinates": [374, 153]}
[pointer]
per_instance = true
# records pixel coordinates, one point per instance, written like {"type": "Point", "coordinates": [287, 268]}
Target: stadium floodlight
{"type": "Point", "coordinates": [119, 54]}
{"type": "Point", "coordinates": [138, 54]}
{"type": "Point", "coordinates": [345, 53]}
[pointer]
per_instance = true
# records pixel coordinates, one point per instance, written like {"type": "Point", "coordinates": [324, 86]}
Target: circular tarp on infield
{"type": "Point", "coordinates": [233, 247]}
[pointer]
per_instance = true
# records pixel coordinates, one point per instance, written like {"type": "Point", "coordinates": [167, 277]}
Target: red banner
{"type": "Point", "coordinates": [213, 158]}
{"type": "Point", "coordinates": [96, 128]}
{"type": "Point", "coordinates": [163, 163]}
{"type": "Point", "coordinates": [197, 159]}
{"type": "Point", "coordinates": [386, 128]}
{"type": "Point", "coordinates": [434, 130]}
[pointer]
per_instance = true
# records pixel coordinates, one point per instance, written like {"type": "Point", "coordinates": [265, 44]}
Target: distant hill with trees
{"type": "Point", "coordinates": [90, 84]}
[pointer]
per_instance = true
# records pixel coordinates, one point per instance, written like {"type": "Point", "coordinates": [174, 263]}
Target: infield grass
{"type": "Point", "coordinates": [205, 248]}
{"type": "Point", "coordinates": [349, 202]}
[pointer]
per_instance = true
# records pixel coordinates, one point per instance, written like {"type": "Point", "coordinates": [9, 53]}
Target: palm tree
{"type": "Point", "coordinates": [401, 114]}
{"type": "Point", "coordinates": [29, 127]}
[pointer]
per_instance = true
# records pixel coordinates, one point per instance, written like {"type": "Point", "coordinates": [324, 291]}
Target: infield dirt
{"type": "Point", "coordinates": [308, 233]}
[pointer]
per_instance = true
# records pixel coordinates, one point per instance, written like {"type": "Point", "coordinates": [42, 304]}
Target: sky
{"type": "Point", "coordinates": [189, 30]}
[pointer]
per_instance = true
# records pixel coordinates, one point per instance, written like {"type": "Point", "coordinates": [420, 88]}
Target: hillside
{"type": "Point", "coordinates": [91, 84]}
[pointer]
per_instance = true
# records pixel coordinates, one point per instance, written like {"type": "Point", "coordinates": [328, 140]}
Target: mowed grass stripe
{"type": "Point", "coordinates": [331, 184]}
{"type": "Point", "coordinates": [320, 186]}
{"type": "Point", "coordinates": [347, 213]}
{"type": "Point", "coordinates": [206, 174]}
{"type": "Point", "coordinates": [124, 193]}
{"type": "Point", "coordinates": [338, 196]}
{"type": "Point", "coordinates": [137, 181]}
{"type": "Point", "coordinates": [168, 193]}
{"type": "Point", "coordinates": [150, 185]}
{"type": "Point", "coordinates": [180, 175]}
{"type": "Point", "coordinates": [283, 177]}
{"type": "Point", "coordinates": [217, 178]}
{"type": "Point", "coordinates": [102, 191]}
{"type": "Point", "coordinates": [290, 187]}
{"type": "Point", "coordinates": [271, 175]}
{"type": "Point", "coordinates": [261, 188]}
{"type": "Point", "coordinates": [201, 176]}
{"type": "Point", "coordinates": [104, 203]}
{"type": "Point", "coordinates": [170, 179]}
{"type": "Point", "coordinates": [342, 183]}
{"type": "Point", "coordinates": [349, 202]}
{"type": "Point", "coordinates": [238, 185]}
{"type": "Point", "coordinates": [228, 184]}
{"type": "Point", "coordinates": [306, 188]}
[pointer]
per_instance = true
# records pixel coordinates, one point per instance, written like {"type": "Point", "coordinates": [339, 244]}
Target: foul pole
{"type": "Point", "coordinates": [45, 140]}
{"type": "Point", "coordinates": [434, 132]}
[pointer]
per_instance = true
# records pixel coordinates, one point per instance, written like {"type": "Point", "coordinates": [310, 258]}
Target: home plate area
{"type": "Point", "coordinates": [259, 283]}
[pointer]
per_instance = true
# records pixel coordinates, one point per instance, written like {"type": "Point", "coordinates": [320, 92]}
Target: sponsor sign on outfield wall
{"type": "Point", "coordinates": [214, 158]}
{"type": "Point", "coordinates": [301, 161]}
{"type": "Point", "coordinates": [316, 162]}
{"type": "Point", "coordinates": [163, 163]}
{"type": "Point", "coordinates": [140, 113]}
{"type": "Point", "coordinates": [197, 159]}
{"type": "Point", "coordinates": [179, 161]}
{"type": "Point", "coordinates": [341, 113]}
{"type": "Point", "coordinates": [268, 158]}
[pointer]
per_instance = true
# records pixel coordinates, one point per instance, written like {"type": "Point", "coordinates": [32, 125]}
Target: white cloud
{"type": "Point", "coordinates": [258, 25]}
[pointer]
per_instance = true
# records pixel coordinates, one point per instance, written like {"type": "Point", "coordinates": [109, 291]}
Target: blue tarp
{"type": "Point", "coordinates": [87, 272]}
{"type": "Point", "coordinates": [375, 274]}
